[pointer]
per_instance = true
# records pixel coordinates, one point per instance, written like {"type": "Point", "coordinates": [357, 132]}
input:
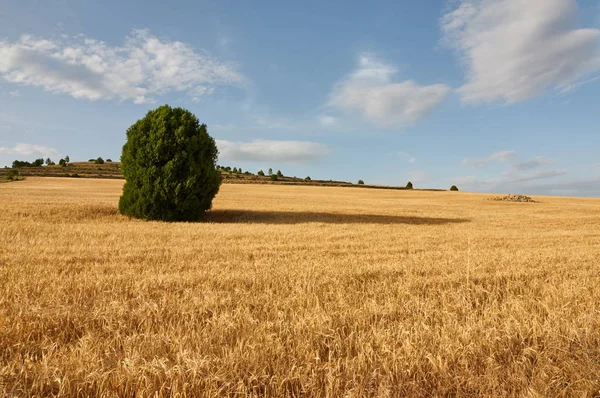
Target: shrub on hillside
{"type": "Point", "coordinates": [108, 160]}
{"type": "Point", "coordinates": [409, 185]}
{"type": "Point", "coordinates": [169, 164]}
{"type": "Point", "coordinates": [261, 173]}
{"type": "Point", "coordinates": [453, 188]}
{"type": "Point", "coordinates": [13, 175]}
{"type": "Point", "coordinates": [274, 177]}
{"type": "Point", "coordinates": [279, 173]}
{"type": "Point", "coordinates": [361, 182]}
{"type": "Point", "coordinates": [99, 161]}
{"type": "Point", "coordinates": [307, 178]}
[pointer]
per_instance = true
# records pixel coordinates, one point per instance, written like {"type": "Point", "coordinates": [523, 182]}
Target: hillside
{"type": "Point", "coordinates": [112, 170]}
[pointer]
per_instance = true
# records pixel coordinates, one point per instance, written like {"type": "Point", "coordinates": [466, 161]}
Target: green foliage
{"type": "Point", "coordinates": [361, 182]}
{"type": "Point", "coordinates": [453, 188]}
{"type": "Point", "coordinates": [62, 162]}
{"type": "Point", "coordinates": [235, 170]}
{"type": "Point", "coordinates": [261, 173]}
{"type": "Point", "coordinates": [108, 160]}
{"type": "Point", "coordinates": [279, 174]}
{"type": "Point", "coordinates": [169, 166]}
{"type": "Point", "coordinates": [274, 177]}
{"type": "Point", "coordinates": [307, 178]}
{"type": "Point", "coordinates": [99, 161]}
{"type": "Point", "coordinates": [92, 160]}
{"type": "Point", "coordinates": [409, 185]}
{"type": "Point", "coordinates": [67, 160]}
{"type": "Point", "coordinates": [23, 163]}
{"type": "Point", "coordinates": [13, 175]}
{"type": "Point", "coordinates": [270, 171]}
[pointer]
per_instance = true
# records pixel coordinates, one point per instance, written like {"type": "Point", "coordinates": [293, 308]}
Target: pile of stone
{"type": "Point", "coordinates": [514, 198]}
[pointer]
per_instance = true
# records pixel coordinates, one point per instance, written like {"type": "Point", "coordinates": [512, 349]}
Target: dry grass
{"type": "Point", "coordinates": [298, 291]}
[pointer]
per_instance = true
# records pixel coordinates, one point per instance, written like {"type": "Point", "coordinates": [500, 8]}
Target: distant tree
{"type": "Point", "coordinates": [235, 170]}
{"type": "Point", "coordinates": [38, 162]}
{"type": "Point", "coordinates": [279, 174]}
{"type": "Point", "coordinates": [67, 160]}
{"type": "Point", "coordinates": [274, 177]}
{"type": "Point", "coordinates": [169, 164]}
{"type": "Point", "coordinates": [270, 171]}
{"type": "Point", "coordinates": [108, 160]}
{"type": "Point", "coordinates": [409, 185]}
{"type": "Point", "coordinates": [92, 160]}
{"type": "Point", "coordinates": [361, 182]}
{"type": "Point", "coordinates": [62, 162]}
{"type": "Point", "coordinates": [99, 161]}
{"type": "Point", "coordinates": [261, 173]}
{"type": "Point", "coordinates": [13, 175]}
{"type": "Point", "coordinates": [48, 161]}
{"type": "Point", "coordinates": [453, 188]}
{"type": "Point", "coordinates": [228, 169]}
{"type": "Point", "coordinates": [307, 178]}
{"type": "Point", "coordinates": [247, 173]}
{"type": "Point", "coordinates": [240, 170]}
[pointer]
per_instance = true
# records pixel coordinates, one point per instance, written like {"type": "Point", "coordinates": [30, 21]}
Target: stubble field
{"type": "Point", "coordinates": [298, 291]}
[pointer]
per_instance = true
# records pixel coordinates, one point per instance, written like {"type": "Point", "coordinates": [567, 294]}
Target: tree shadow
{"type": "Point", "coordinates": [292, 217]}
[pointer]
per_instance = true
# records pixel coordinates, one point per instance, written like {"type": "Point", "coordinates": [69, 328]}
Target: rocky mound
{"type": "Point", "coordinates": [514, 198]}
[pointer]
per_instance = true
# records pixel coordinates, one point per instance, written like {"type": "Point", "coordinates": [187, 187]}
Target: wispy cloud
{"type": "Point", "coordinates": [143, 68]}
{"type": "Point", "coordinates": [14, 93]}
{"type": "Point", "coordinates": [534, 163]}
{"type": "Point", "coordinates": [480, 163]}
{"type": "Point", "coordinates": [514, 50]}
{"type": "Point", "coordinates": [509, 181]}
{"type": "Point", "coordinates": [371, 92]}
{"type": "Point", "coordinates": [28, 150]}
{"type": "Point", "coordinates": [266, 150]}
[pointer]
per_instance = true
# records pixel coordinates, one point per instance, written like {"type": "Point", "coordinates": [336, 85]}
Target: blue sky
{"type": "Point", "coordinates": [490, 95]}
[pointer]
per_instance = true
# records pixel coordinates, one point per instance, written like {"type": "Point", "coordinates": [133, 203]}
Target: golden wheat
{"type": "Point", "coordinates": [298, 291]}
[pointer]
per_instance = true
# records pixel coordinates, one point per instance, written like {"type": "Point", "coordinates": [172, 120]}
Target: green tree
{"type": "Point", "coordinates": [261, 173]}
{"type": "Point", "coordinates": [235, 170]}
{"type": "Point", "coordinates": [453, 188]}
{"type": "Point", "coordinates": [307, 178]}
{"type": "Point", "coordinates": [62, 162]}
{"type": "Point", "coordinates": [274, 177]}
{"type": "Point", "coordinates": [409, 185]}
{"type": "Point", "coordinates": [99, 161]}
{"type": "Point", "coordinates": [169, 166]}
{"type": "Point", "coordinates": [270, 171]}
{"type": "Point", "coordinates": [361, 182]}
{"type": "Point", "coordinates": [108, 160]}
{"type": "Point", "coordinates": [279, 173]}
{"type": "Point", "coordinates": [67, 160]}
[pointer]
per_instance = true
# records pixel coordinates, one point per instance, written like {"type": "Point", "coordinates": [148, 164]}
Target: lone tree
{"type": "Point", "coordinates": [169, 166]}
{"type": "Point", "coordinates": [361, 182]}
{"type": "Point", "coordinates": [409, 185]}
{"type": "Point", "coordinates": [453, 188]}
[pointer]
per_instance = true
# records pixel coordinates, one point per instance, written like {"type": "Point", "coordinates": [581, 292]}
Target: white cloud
{"type": "Point", "coordinates": [328, 121]}
{"type": "Point", "coordinates": [512, 177]}
{"type": "Point", "coordinates": [510, 181]}
{"type": "Point", "coordinates": [502, 156]}
{"type": "Point", "coordinates": [144, 67]}
{"type": "Point", "coordinates": [409, 158]}
{"type": "Point", "coordinates": [265, 150]}
{"type": "Point", "coordinates": [516, 49]}
{"type": "Point", "coordinates": [370, 91]}
{"type": "Point", "coordinates": [14, 93]}
{"type": "Point", "coordinates": [536, 162]}
{"type": "Point", "coordinates": [28, 150]}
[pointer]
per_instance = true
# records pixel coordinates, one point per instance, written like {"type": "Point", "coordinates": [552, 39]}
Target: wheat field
{"type": "Point", "coordinates": [298, 292]}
